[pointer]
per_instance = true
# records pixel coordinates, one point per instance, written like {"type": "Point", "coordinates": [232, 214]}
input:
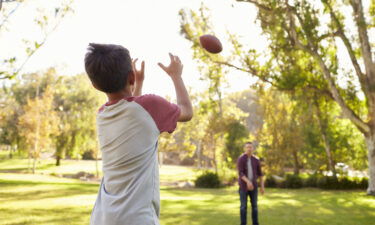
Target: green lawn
{"type": "Point", "coordinates": [168, 173]}
{"type": "Point", "coordinates": [39, 199]}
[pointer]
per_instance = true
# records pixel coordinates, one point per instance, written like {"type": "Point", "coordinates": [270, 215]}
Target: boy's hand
{"type": "Point", "coordinates": [139, 74]}
{"type": "Point", "coordinates": [174, 69]}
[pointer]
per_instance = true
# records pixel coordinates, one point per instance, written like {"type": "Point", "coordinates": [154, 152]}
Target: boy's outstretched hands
{"type": "Point", "coordinates": [139, 76]}
{"type": "Point", "coordinates": [174, 69]}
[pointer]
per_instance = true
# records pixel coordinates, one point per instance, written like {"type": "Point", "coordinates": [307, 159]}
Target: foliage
{"type": "Point", "coordinates": [293, 181]}
{"type": "Point", "coordinates": [318, 181]}
{"type": "Point", "coordinates": [46, 20]}
{"type": "Point", "coordinates": [208, 180]}
{"type": "Point", "coordinates": [236, 135]}
{"type": "Point", "coordinates": [60, 110]}
{"type": "Point", "coordinates": [38, 124]}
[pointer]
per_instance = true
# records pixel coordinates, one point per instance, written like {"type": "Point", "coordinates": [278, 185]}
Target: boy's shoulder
{"type": "Point", "coordinates": [147, 100]}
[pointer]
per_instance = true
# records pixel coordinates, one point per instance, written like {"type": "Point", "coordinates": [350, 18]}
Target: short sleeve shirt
{"type": "Point", "coordinates": [128, 132]}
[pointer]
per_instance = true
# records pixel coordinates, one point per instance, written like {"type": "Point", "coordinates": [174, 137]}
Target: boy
{"type": "Point", "coordinates": [129, 125]}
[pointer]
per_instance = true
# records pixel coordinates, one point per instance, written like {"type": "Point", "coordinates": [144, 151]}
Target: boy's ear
{"type": "Point", "coordinates": [131, 78]}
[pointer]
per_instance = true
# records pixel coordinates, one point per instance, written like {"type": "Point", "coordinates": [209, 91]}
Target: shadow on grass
{"type": "Point", "coordinates": [54, 190]}
{"type": "Point", "coordinates": [60, 216]}
{"type": "Point", "coordinates": [278, 207]}
{"type": "Point", "coordinates": [25, 169]}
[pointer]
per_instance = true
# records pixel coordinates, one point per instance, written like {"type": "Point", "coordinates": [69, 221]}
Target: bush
{"type": "Point", "coordinates": [362, 183]}
{"type": "Point", "coordinates": [270, 181]}
{"type": "Point", "coordinates": [208, 180]}
{"type": "Point", "coordinates": [88, 155]}
{"type": "Point", "coordinates": [311, 181]}
{"type": "Point", "coordinates": [317, 180]}
{"type": "Point", "coordinates": [326, 182]}
{"type": "Point", "coordinates": [346, 183]}
{"type": "Point", "coordinates": [293, 181]}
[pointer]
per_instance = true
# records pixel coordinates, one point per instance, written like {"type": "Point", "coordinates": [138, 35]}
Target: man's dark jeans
{"type": "Point", "coordinates": [254, 205]}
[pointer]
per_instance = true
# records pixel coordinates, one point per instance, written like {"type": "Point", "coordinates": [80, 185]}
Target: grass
{"type": "Point", "coordinates": [168, 173]}
{"type": "Point", "coordinates": [27, 199]}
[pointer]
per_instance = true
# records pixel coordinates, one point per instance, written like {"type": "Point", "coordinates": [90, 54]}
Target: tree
{"type": "Point", "coordinates": [235, 137]}
{"type": "Point", "coordinates": [298, 29]}
{"type": "Point", "coordinates": [10, 110]}
{"type": "Point", "coordinates": [77, 103]}
{"type": "Point", "coordinates": [304, 40]}
{"type": "Point", "coordinates": [38, 124]}
{"type": "Point", "coordinates": [47, 20]}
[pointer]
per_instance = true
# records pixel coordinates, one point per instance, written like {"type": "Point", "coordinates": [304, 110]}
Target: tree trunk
{"type": "Point", "coordinates": [331, 164]}
{"type": "Point", "coordinates": [199, 154]}
{"type": "Point", "coordinates": [370, 142]}
{"type": "Point", "coordinates": [10, 152]}
{"type": "Point", "coordinates": [29, 162]}
{"type": "Point", "coordinates": [296, 163]}
{"type": "Point", "coordinates": [34, 165]}
{"type": "Point", "coordinates": [327, 146]}
{"type": "Point", "coordinates": [58, 158]}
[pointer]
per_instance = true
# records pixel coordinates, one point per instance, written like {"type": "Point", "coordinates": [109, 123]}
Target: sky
{"type": "Point", "coordinates": [148, 28]}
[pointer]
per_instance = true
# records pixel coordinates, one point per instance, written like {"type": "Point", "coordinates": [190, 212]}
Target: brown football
{"type": "Point", "coordinates": [211, 43]}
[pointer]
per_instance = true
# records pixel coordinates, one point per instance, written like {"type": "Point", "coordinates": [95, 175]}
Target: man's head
{"type": "Point", "coordinates": [109, 67]}
{"type": "Point", "coordinates": [249, 148]}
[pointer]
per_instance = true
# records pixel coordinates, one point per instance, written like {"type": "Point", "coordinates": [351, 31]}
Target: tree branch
{"type": "Point", "coordinates": [312, 50]}
{"type": "Point", "coordinates": [252, 71]}
{"type": "Point", "coordinates": [260, 6]}
{"type": "Point", "coordinates": [361, 77]}
{"type": "Point", "coordinates": [6, 18]}
{"type": "Point", "coordinates": [363, 36]}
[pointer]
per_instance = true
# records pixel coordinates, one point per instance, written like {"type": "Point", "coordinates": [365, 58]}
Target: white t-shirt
{"type": "Point", "coordinates": [250, 174]}
{"type": "Point", "coordinates": [128, 132]}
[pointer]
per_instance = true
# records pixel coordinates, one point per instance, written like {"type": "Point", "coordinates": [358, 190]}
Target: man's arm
{"type": "Point", "coordinates": [261, 184]}
{"type": "Point", "coordinates": [174, 70]}
{"type": "Point", "coordinates": [139, 76]}
{"type": "Point", "coordinates": [261, 178]}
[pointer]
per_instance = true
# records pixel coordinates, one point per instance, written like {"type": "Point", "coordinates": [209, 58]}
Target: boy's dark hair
{"type": "Point", "coordinates": [108, 66]}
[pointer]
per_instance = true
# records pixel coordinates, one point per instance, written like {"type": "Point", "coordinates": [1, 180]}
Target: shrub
{"type": "Point", "coordinates": [311, 181]}
{"type": "Point", "coordinates": [326, 182]}
{"type": "Point", "coordinates": [362, 183]}
{"type": "Point", "coordinates": [208, 180]}
{"type": "Point", "coordinates": [346, 183]}
{"type": "Point", "coordinates": [270, 181]}
{"type": "Point", "coordinates": [293, 181]}
{"type": "Point", "coordinates": [88, 155]}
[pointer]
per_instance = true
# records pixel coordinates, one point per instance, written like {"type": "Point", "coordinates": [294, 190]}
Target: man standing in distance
{"type": "Point", "coordinates": [249, 170]}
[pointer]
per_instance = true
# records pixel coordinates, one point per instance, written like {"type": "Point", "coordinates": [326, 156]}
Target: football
{"type": "Point", "coordinates": [211, 43]}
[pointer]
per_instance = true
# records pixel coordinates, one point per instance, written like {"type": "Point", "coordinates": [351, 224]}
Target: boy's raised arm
{"type": "Point", "coordinates": [174, 70]}
{"type": "Point", "coordinates": [139, 76]}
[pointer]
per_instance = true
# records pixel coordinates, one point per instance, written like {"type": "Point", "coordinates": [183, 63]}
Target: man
{"type": "Point", "coordinates": [249, 170]}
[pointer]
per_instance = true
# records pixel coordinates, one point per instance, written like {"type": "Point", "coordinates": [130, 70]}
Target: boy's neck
{"type": "Point", "coordinates": [119, 95]}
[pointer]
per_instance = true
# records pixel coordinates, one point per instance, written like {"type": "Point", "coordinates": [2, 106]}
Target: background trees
{"type": "Point", "coordinates": [303, 57]}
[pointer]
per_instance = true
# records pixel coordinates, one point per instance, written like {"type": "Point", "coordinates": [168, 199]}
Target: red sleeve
{"type": "Point", "coordinates": [164, 113]}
